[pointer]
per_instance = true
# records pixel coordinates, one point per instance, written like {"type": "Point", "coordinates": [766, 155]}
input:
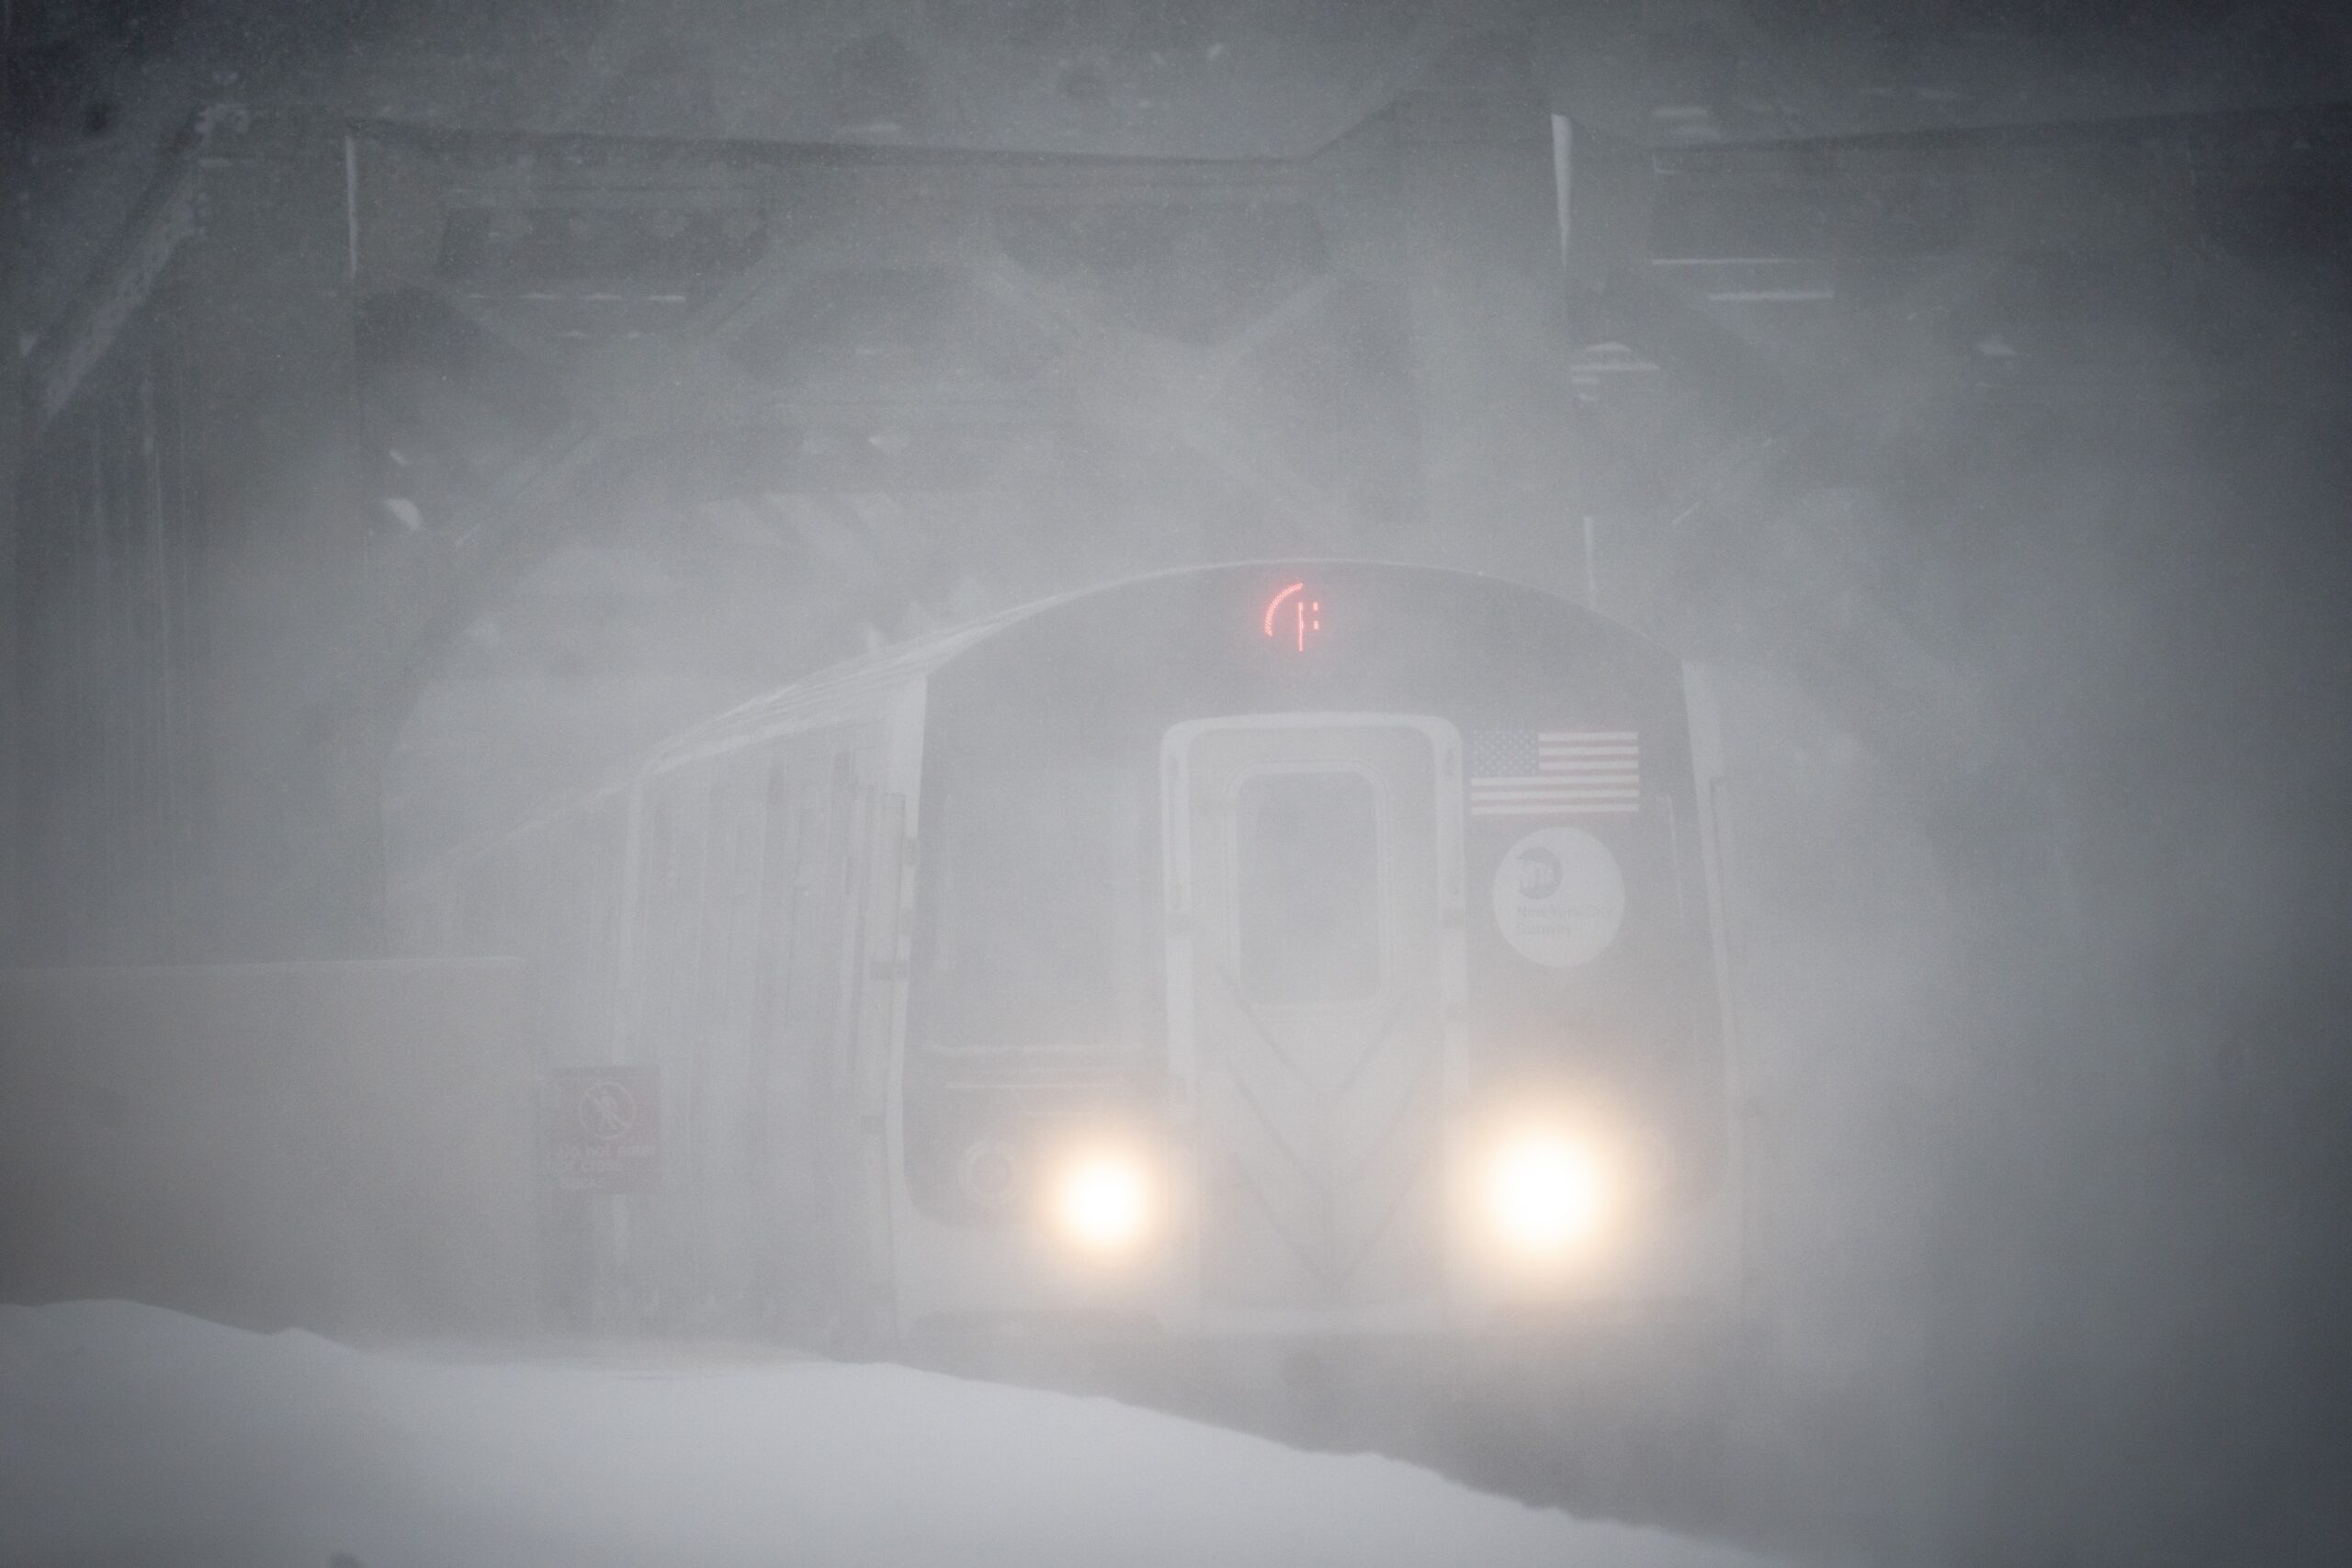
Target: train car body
{"type": "Point", "coordinates": [1319, 948]}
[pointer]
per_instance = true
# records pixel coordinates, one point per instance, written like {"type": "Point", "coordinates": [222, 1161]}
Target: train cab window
{"type": "Point", "coordinates": [1041, 930]}
{"type": "Point", "coordinates": [1306, 886]}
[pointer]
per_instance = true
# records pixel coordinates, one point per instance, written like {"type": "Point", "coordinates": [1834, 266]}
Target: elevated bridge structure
{"type": "Point", "coordinates": [342, 384]}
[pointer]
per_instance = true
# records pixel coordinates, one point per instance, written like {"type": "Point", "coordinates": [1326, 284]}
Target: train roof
{"type": "Point", "coordinates": [847, 687]}
{"type": "Point", "coordinates": [851, 686]}
{"type": "Point", "coordinates": [840, 687]}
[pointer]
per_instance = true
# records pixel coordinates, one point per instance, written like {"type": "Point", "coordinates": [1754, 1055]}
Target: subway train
{"type": "Point", "coordinates": [1320, 949]}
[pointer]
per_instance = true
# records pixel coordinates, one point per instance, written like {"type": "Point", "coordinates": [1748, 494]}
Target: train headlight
{"type": "Point", "coordinates": [1104, 1201]}
{"type": "Point", "coordinates": [1543, 1190]}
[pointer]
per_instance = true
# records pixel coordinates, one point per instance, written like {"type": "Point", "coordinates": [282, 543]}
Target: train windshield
{"type": "Point", "coordinates": [1041, 912]}
{"type": "Point", "coordinates": [1306, 880]}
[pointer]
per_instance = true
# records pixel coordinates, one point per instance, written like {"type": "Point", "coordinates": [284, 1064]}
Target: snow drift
{"type": "Point", "coordinates": [131, 1434]}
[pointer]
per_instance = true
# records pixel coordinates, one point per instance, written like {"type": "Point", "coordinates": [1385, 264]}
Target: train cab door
{"type": "Point", "coordinates": [1315, 987]}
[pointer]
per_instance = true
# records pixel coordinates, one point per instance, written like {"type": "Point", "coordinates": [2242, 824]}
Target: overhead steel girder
{"type": "Point", "coordinates": [819, 213]}
{"type": "Point", "coordinates": [1786, 246]}
{"type": "Point", "coordinates": [1814, 309]}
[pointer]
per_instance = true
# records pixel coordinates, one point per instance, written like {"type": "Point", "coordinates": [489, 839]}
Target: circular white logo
{"type": "Point", "coordinates": [1559, 897]}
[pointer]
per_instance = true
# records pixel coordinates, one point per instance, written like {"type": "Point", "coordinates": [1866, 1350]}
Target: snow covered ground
{"type": "Point", "coordinates": [131, 1434]}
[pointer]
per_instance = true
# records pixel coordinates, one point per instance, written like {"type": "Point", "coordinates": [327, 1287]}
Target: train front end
{"type": "Point", "coordinates": [1312, 950]}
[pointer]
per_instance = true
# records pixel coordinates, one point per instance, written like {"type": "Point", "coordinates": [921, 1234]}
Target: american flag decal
{"type": "Point", "coordinates": [1554, 772]}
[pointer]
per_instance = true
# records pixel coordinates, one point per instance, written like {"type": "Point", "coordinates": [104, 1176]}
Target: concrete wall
{"type": "Point", "coordinates": [344, 1147]}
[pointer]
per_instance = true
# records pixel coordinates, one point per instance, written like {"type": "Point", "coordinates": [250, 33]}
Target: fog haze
{"type": "Point", "coordinates": [422, 414]}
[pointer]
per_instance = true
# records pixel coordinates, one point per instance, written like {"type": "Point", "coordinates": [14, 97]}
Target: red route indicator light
{"type": "Point", "coordinates": [1304, 616]}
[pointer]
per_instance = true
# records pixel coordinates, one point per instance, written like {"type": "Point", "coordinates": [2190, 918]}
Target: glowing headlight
{"type": "Point", "coordinates": [1543, 1190]}
{"type": "Point", "coordinates": [1102, 1201]}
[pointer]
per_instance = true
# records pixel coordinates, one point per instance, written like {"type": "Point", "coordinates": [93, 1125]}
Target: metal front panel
{"type": "Point", "coordinates": [1314, 867]}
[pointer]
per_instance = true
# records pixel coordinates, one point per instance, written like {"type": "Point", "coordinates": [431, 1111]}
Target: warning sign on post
{"type": "Point", "coordinates": [604, 1132]}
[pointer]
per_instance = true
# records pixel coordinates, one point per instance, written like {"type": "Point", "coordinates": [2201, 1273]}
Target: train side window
{"type": "Point", "coordinates": [1306, 886]}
